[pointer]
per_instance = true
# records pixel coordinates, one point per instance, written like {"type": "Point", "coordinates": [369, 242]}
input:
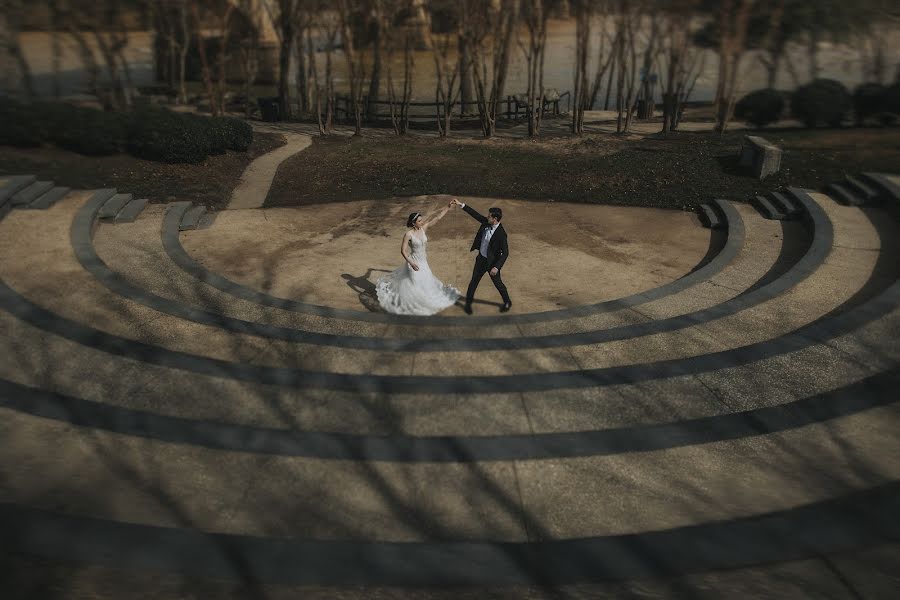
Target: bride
{"type": "Point", "coordinates": [412, 289]}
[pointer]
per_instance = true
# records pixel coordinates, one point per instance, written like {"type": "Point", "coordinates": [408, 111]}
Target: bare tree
{"type": "Point", "coordinates": [216, 91]}
{"type": "Point", "coordinates": [18, 72]}
{"type": "Point", "coordinates": [447, 90]}
{"type": "Point", "coordinates": [679, 71]}
{"type": "Point", "coordinates": [628, 19]}
{"type": "Point", "coordinates": [580, 92]}
{"type": "Point", "coordinates": [400, 110]}
{"type": "Point", "coordinates": [323, 94]}
{"type": "Point", "coordinates": [734, 18]}
{"type": "Point", "coordinates": [489, 30]}
{"type": "Point", "coordinates": [356, 61]}
{"type": "Point", "coordinates": [284, 15]}
{"type": "Point", "coordinates": [605, 56]}
{"type": "Point", "coordinates": [536, 14]}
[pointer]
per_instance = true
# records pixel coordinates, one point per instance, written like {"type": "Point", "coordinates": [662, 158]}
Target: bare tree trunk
{"type": "Point", "coordinates": [612, 71]}
{"type": "Point", "coordinates": [379, 19]}
{"type": "Point", "coordinates": [813, 54]}
{"type": "Point", "coordinates": [184, 47]}
{"type": "Point", "coordinates": [465, 78]}
{"type": "Point", "coordinates": [355, 63]}
{"type": "Point", "coordinates": [582, 42]}
{"type": "Point", "coordinates": [603, 65]}
{"type": "Point", "coordinates": [55, 26]}
{"type": "Point", "coordinates": [204, 60]}
{"type": "Point", "coordinates": [481, 23]}
{"type": "Point", "coordinates": [302, 81]}
{"type": "Point", "coordinates": [223, 59]}
{"type": "Point", "coordinates": [287, 35]}
{"type": "Point", "coordinates": [535, 51]}
{"type": "Point", "coordinates": [734, 52]}
{"type": "Point", "coordinates": [331, 35]}
{"type": "Point", "coordinates": [18, 69]}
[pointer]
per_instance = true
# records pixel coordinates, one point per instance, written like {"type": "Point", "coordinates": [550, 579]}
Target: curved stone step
{"type": "Point", "coordinates": [12, 185]}
{"type": "Point", "coordinates": [131, 256]}
{"type": "Point", "coordinates": [49, 199]}
{"type": "Point", "coordinates": [44, 361]}
{"type": "Point", "coordinates": [605, 359]}
{"type": "Point", "coordinates": [737, 477]}
{"type": "Point", "coordinates": [722, 286]}
{"type": "Point", "coordinates": [31, 193]}
{"type": "Point", "coordinates": [168, 485]}
{"type": "Point", "coordinates": [180, 256]}
{"type": "Point", "coordinates": [857, 572]}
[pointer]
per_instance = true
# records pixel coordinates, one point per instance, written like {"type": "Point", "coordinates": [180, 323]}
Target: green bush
{"type": "Point", "coordinates": [868, 101]}
{"type": "Point", "coordinates": [216, 136]}
{"type": "Point", "coordinates": [760, 108]}
{"type": "Point", "coordinates": [88, 131]}
{"type": "Point", "coordinates": [165, 136]}
{"type": "Point", "coordinates": [824, 101]}
{"type": "Point", "coordinates": [891, 101]}
{"type": "Point", "coordinates": [238, 132]}
{"type": "Point", "coordinates": [17, 127]}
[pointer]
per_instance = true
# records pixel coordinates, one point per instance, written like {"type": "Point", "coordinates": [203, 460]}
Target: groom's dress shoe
{"type": "Point", "coordinates": [506, 307]}
{"type": "Point", "coordinates": [468, 309]}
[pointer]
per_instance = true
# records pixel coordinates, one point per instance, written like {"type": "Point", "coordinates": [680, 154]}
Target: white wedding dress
{"type": "Point", "coordinates": [409, 292]}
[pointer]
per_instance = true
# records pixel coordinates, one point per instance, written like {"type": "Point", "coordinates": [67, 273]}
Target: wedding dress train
{"type": "Point", "coordinates": [409, 292]}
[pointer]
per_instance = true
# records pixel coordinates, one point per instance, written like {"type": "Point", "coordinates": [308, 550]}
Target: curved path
{"type": "Point", "coordinates": [256, 180]}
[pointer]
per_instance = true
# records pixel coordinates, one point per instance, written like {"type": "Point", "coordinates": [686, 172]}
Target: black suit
{"type": "Point", "coordinates": [497, 253]}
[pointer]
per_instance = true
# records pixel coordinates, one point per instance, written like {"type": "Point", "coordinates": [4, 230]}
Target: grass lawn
{"type": "Point", "coordinates": [680, 171]}
{"type": "Point", "coordinates": [209, 183]}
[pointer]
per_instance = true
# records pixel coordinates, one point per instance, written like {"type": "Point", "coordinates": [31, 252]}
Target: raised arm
{"type": "Point", "coordinates": [472, 212]}
{"type": "Point", "coordinates": [435, 218]}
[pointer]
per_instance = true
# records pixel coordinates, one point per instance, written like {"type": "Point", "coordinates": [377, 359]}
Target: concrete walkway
{"type": "Point", "coordinates": [254, 185]}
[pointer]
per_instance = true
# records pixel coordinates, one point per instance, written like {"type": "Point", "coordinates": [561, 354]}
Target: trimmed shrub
{"type": "Point", "coordinates": [824, 101]}
{"type": "Point", "coordinates": [891, 102]}
{"type": "Point", "coordinates": [238, 132]}
{"type": "Point", "coordinates": [760, 108]}
{"type": "Point", "coordinates": [868, 101]}
{"type": "Point", "coordinates": [17, 126]}
{"type": "Point", "coordinates": [87, 131]}
{"type": "Point", "coordinates": [165, 136]}
{"type": "Point", "coordinates": [216, 136]}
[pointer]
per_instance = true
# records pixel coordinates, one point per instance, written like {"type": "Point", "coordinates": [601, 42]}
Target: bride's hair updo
{"type": "Point", "coordinates": [412, 219]}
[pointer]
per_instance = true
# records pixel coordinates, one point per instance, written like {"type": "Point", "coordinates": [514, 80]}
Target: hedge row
{"type": "Point", "coordinates": [152, 133]}
{"type": "Point", "coordinates": [822, 102]}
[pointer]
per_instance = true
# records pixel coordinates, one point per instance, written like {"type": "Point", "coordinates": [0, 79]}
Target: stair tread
{"type": "Point", "coordinates": [130, 212]}
{"type": "Point", "coordinates": [13, 185]}
{"type": "Point", "coordinates": [30, 193]}
{"type": "Point", "coordinates": [49, 198]}
{"type": "Point", "coordinates": [769, 210]}
{"type": "Point", "coordinates": [112, 206]}
{"type": "Point", "coordinates": [844, 195]}
{"type": "Point", "coordinates": [191, 219]}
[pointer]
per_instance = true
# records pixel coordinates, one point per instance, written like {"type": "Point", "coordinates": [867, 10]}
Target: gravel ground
{"type": "Point", "coordinates": [679, 171]}
{"type": "Point", "coordinates": [209, 183]}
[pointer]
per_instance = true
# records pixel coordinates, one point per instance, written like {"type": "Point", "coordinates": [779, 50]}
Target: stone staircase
{"type": "Point", "coordinates": [169, 431]}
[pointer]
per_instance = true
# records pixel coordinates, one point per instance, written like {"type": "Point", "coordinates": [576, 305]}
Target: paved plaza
{"type": "Point", "coordinates": [213, 405]}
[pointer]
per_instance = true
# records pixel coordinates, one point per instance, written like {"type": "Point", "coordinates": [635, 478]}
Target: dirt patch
{"type": "Point", "coordinates": [678, 171]}
{"type": "Point", "coordinates": [209, 183]}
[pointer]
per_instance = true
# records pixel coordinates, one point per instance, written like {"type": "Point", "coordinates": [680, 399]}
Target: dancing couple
{"type": "Point", "coordinates": [412, 289]}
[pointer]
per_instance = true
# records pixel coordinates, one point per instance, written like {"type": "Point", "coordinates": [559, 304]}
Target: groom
{"type": "Point", "coordinates": [493, 250]}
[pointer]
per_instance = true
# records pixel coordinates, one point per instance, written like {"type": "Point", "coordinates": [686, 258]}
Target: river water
{"type": "Point", "coordinates": [837, 61]}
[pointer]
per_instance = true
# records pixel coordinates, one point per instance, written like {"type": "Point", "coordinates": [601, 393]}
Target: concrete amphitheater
{"type": "Point", "coordinates": [176, 424]}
